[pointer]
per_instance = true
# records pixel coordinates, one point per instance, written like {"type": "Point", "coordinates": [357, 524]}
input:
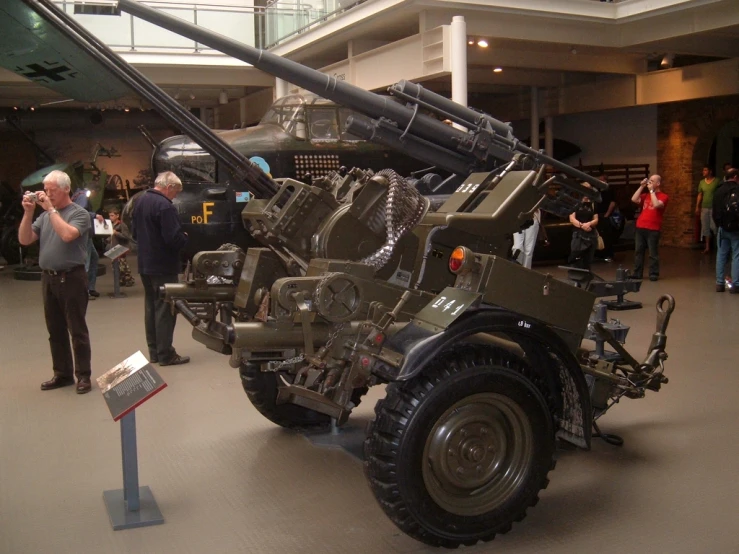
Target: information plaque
{"type": "Point", "coordinates": [117, 251]}
{"type": "Point", "coordinates": [125, 387]}
{"type": "Point", "coordinates": [129, 384]}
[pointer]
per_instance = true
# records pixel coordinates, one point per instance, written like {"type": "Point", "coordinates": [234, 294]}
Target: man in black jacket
{"type": "Point", "coordinates": [157, 230]}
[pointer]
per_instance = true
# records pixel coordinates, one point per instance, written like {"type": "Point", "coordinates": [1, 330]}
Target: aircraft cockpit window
{"type": "Point", "coordinates": [343, 115]}
{"type": "Point", "coordinates": [323, 124]}
{"type": "Point", "coordinates": [288, 114]}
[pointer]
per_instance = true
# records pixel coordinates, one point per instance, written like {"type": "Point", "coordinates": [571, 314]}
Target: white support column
{"type": "Point", "coordinates": [459, 60]}
{"type": "Point", "coordinates": [281, 88]}
{"type": "Point", "coordinates": [535, 118]}
{"type": "Point", "coordinates": [549, 136]}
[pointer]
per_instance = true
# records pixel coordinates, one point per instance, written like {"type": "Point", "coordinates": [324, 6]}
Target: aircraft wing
{"type": "Point", "coordinates": [31, 47]}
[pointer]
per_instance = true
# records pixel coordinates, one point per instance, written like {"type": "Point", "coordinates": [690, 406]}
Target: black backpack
{"type": "Point", "coordinates": [729, 215]}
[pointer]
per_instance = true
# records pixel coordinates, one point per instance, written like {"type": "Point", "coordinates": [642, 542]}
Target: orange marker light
{"type": "Point", "coordinates": [456, 260]}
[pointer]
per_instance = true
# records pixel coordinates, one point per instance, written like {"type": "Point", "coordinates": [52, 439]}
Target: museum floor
{"type": "Point", "coordinates": [228, 481]}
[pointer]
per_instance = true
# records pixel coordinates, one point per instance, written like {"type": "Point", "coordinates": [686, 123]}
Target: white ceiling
{"type": "Point", "coordinates": [535, 44]}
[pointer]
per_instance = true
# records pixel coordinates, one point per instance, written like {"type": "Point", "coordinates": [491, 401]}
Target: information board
{"type": "Point", "coordinates": [129, 384]}
{"type": "Point", "coordinates": [117, 251]}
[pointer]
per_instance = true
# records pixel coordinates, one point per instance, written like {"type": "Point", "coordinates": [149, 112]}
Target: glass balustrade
{"type": "Point", "coordinates": [262, 27]}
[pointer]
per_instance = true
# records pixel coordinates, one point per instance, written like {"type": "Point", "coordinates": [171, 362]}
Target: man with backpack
{"type": "Point", "coordinates": [726, 218]}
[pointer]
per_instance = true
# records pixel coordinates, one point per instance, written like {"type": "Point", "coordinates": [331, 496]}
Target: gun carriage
{"type": "Point", "coordinates": [360, 280]}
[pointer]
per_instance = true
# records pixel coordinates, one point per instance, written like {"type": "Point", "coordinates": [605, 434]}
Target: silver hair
{"type": "Point", "coordinates": [61, 179]}
{"type": "Point", "coordinates": [167, 179]}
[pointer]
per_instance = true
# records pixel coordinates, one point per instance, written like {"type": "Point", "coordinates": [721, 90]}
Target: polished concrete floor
{"type": "Point", "coordinates": [229, 481]}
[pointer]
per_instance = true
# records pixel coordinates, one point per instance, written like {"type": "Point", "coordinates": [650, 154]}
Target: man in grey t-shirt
{"type": "Point", "coordinates": [62, 234]}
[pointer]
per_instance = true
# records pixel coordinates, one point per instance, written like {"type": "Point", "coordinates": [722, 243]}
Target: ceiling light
{"type": "Point", "coordinates": [223, 97]}
{"type": "Point", "coordinates": [497, 70]}
{"type": "Point", "coordinates": [667, 61]}
{"type": "Point", "coordinates": [177, 95]}
{"type": "Point", "coordinates": [33, 108]}
{"type": "Point", "coordinates": [126, 109]}
{"type": "Point", "coordinates": [471, 42]}
{"type": "Point", "coordinates": [192, 96]}
{"type": "Point", "coordinates": [15, 108]}
{"type": "Point", "coordinates": [482, 43]}
{"type": "Point", "coordinates": [573, 50]}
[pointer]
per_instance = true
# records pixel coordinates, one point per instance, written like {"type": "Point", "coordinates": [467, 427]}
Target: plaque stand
{"type": "Point", "coordinates": [115, 254]}
{"type": "Point", "coordinates": [117, 280]}
{"type": "Point", "coordinates": [132, 506]}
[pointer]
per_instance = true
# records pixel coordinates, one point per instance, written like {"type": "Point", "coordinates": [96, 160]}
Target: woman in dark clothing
{"type": "Point", "coordinates": [584, 237]}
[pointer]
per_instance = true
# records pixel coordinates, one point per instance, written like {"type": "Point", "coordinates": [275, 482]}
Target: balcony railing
{"type": "Point", "coordinates": [262, 27]}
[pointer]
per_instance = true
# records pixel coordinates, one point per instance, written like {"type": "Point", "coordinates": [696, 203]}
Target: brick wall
{"type": "Point", "coordinates": [17, 161]}
{"type": "Point", "coordinates": [685, 131]}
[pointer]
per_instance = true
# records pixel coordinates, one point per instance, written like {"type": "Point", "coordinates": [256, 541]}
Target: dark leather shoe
{"type": "Point", "coordinates": [83, 386]}
{"type": "Point", "coordinates": [94, 293]}
{"type": "Point", "coordinates": [654, 277]}
{"type": "Point", "coordinates": [177, 360]}
{"type": "Point", "coordinates": [56, 382]}
{"type": "Point", "coordinates": [720, 288]}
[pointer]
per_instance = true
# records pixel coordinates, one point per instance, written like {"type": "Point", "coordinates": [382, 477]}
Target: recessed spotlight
{"type": "Point", "coordinates": [15, 108]}
{"type": "Point", "coordinates": [471, 42]}
{"type": "Point", "coordinates": [482, 43]}
{"type": "Point", "coordinates": [33, 108]}
{"type": "Point", "coordinates": [126, 109]}
{"type": "Point", "coordinates": [498, 70]}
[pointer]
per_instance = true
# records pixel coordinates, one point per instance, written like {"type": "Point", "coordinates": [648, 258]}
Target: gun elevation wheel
{"type": "Point", "coordinates": [459, 453]}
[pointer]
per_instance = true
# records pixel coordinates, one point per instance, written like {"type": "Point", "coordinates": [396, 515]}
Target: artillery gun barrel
{"type": "Point", "coordinates": [418, 148]}
{"type": "Point", "coordinates": [345, 94]}
{"type": "Point", "coordinates": [446, 108]}
{"type": "Point", "coordinates": [503, 133]}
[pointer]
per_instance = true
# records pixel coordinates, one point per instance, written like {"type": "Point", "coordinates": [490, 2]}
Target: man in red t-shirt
{"type": "Point", "coordinates": [648, 225]}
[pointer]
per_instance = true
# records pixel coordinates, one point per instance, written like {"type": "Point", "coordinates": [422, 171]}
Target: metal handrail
{"type": "Point", "coordinates": [265, 19]}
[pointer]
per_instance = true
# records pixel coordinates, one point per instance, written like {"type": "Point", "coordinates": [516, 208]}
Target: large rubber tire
{"type": "Point", "coordinates": [459, 453]}
{"type": "Point", "coordinates": [261, 388]}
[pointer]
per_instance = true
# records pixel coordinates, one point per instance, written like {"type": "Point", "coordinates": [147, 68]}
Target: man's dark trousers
{"type": "Point", "coordinates": [65, 305]}
{"type": "Point", "coordinates": [643, 239]}
{"type": "Point", "coordinates": [158, 318]}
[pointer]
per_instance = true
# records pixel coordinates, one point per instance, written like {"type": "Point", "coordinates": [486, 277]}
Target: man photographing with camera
{"type": "Point", "coordinates": [652, 202]}
{"type": "Point", "coordinates": [62, 234]}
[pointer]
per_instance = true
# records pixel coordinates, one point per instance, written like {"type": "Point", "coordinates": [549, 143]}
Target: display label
{"type": "Point", "coordinates": [129, 384]}
{"type": "Point", "coordinates": [116, 252]}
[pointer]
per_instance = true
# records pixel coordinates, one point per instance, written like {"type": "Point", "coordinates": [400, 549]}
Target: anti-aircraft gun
{"type": "Point", "coordinates": [360, 282]}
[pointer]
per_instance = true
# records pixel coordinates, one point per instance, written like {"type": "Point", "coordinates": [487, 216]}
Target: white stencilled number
{"type": "Point", "coordinates": [439, 302]}
{"type": "Point", "coordinates": [448, 305]}
{"type": "Point", "coordinates": [468, 187]}
{"type": "Point", "coordinates": [458, 309]}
